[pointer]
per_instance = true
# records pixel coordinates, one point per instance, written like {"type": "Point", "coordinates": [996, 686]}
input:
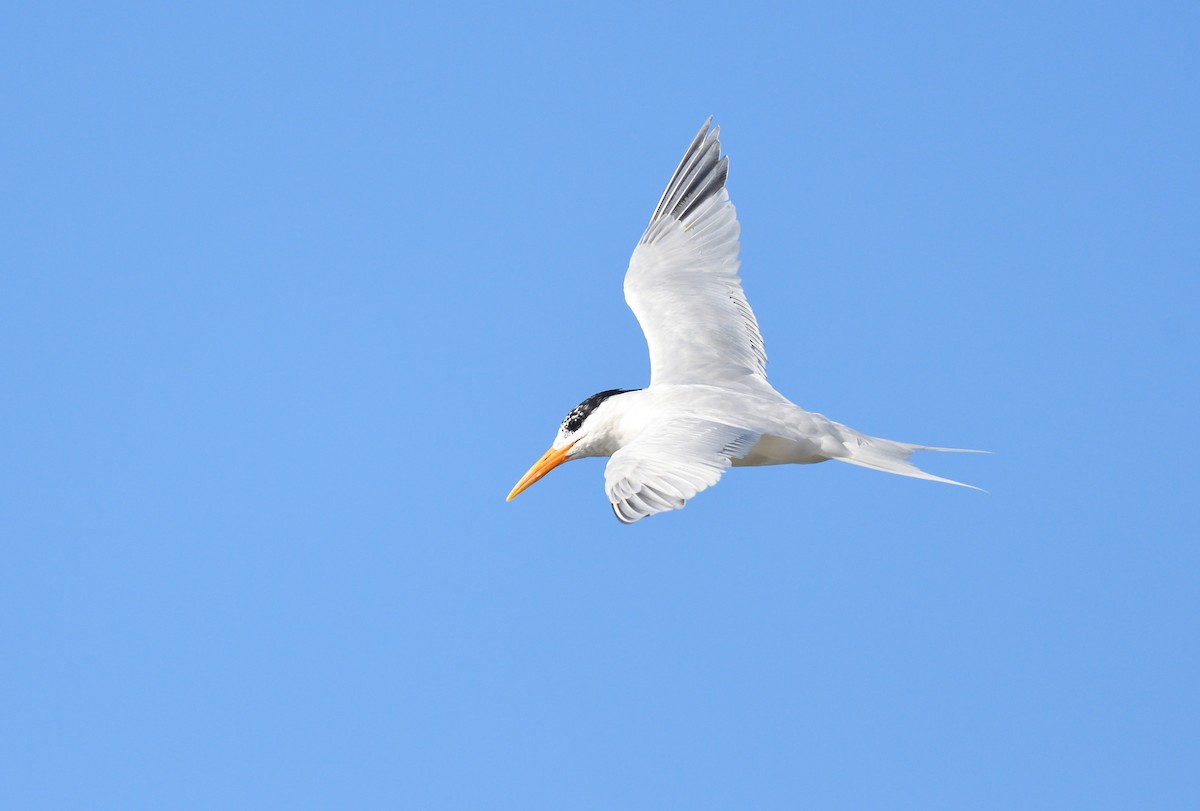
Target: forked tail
{"type": "Point", "coordinates": [893, 457]}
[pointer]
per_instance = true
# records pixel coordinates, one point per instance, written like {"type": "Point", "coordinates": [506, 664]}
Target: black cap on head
{"type": "Point", "coordinates": [581, 412]}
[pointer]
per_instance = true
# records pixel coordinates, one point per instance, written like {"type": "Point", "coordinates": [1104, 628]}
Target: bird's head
{"type": "Point", "coordinates": [585, 431]}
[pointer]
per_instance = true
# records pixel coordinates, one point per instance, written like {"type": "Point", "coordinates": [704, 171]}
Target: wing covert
{"type": "Point", "coordinates": [683, 283]}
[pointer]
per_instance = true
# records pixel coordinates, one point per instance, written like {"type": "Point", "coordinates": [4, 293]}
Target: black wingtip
{"type": "Point", "coordinates": [701, 173]}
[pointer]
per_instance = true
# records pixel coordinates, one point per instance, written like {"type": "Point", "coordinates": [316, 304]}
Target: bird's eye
{"type": "Point", "coordinates": [573, 421]}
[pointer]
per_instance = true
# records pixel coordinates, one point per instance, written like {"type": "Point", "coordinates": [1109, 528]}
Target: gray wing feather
{"type": "Point", "coordinates": [683, 283]}
{"type": "Point", "coordinates": [700, 174]}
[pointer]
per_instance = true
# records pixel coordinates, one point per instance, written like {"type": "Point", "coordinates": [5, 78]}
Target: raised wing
{"type": "Point", "coordinates": [668, 464]}
{"type": "Point", "coordinates": [683, 284]}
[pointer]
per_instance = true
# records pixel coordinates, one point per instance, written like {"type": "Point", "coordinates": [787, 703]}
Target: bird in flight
{"type": "Point", "coordinates": [708, 406]}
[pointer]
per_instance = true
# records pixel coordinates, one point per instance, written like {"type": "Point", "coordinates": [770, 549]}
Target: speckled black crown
{"type": "Point", "coordinates": [581, 412]}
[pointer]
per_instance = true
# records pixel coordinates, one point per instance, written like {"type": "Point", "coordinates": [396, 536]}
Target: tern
{"type": "Point", "coordinates": [709, 406]}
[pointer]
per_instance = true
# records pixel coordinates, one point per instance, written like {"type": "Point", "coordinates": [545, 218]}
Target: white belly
{"type": "Point", "coordinates": [773, 450]}
{"type": "Point", "coordinates": [790, 435]}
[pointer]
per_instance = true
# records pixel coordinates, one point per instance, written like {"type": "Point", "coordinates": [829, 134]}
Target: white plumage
{"type": "Point", "coordinates": [709, 405]}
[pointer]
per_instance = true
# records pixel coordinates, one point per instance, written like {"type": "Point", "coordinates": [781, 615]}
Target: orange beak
{"type": "Point", "coordinates": [550, 460]}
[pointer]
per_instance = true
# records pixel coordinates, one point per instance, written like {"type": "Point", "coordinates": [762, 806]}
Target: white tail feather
{"type": "Point", "coordinates": [893, 457]}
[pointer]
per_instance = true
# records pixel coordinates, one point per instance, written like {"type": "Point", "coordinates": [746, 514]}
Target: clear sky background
{"type": "Point", "coordinates": [292, 294]}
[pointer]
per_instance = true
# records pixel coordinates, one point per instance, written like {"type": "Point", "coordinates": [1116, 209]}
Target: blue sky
{"type": "Point", "coordinates": [292, 295]}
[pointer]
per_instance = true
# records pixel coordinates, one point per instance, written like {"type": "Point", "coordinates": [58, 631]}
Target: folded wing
{"type": "Point", "coordinates": [670, 463]}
